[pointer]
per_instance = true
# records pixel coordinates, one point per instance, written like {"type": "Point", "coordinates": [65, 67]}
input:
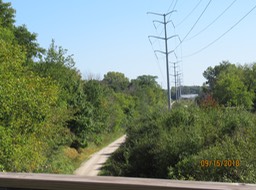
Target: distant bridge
{"type": "Point", "coordinates": [10, 181]}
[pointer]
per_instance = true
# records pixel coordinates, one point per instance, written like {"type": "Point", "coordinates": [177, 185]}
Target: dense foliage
{"type": "Point", "coordinates": [48, 112]}
{"type": "Point", "coordinates": [232, 85]}
{"type": "Point", "coordinates": [210, 140]}
{"type": "Point", "coordinates": [189, 143]}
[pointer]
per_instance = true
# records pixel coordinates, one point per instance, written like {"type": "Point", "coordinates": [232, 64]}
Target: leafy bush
{"type": "Point", "coordinates": [175, 144]}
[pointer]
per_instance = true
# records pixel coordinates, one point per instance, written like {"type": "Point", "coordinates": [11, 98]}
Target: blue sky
{"type": "Point", "coordinates": [113, 35]}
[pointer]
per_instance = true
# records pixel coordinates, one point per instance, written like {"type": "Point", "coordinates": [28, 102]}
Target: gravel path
{"type": "Point", "coordinates": [92, 166]}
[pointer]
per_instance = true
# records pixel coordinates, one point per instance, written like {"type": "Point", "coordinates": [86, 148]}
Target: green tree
{"type": "Point", "coordinates": [148, 93]}
{"type": "Point", "coordinates": [112, 111]}
{"type": "Point", "coordinates": [117, 81]}
{"type": "Point", "coordinates": [249, 80]}
{"type": "Point", "coordinates": [23, 37]}
{"type": "Point", "coordinates": [7, 15]}
{"type": "Point", "coordinates": [211, 74]}
{"type": "Point", "coordinates": [28, 41]}
{"type": "Point", "coordinates": [145, 81]}
{"type": "Point", "coordinates": [231, 85]}
{"type": "Point", "coordinates": [26, 100]}
{"type": "Point", "coordinates": [231, 90]}
{"type": "Point", "coordinates": [60, 68]}
{"type": "Point", "coordinates": [56, 54]}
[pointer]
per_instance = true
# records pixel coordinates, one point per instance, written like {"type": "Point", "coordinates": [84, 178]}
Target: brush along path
{"type": "Point", "coordinates": [92, 166]}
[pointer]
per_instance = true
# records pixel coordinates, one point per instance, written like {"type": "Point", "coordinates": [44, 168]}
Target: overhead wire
{"type": "Point", "coordinates": [181, 41]}
{"type": "Point", "coordinates": [156, 27]}
{"type": "Point", "coordinates": [171, 10]}
{"type": "Point", "coordinates": [194, 24]}
{"type": "Point", "coordinates": [185, 18]}
{"type": "Point", "coordinates": [214, 41]}
{"type": "Point", "coordinates": [176, 1]}
{"type": "Point", "coordinates": [180, 66]}
{"type": "Point", "coordinates": [158, 63]}
{"type": "Point", "coordinates": [168, 20]}
{"type": "Point", "coordinates": [171, 5]}
{"type": "Point", "coordinates": [223, 12]}
{"type": "Point", "coordinates": [157, 59]}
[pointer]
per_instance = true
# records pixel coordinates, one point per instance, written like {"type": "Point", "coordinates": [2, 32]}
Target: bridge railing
{"type": "Point", "coordinates": [71, 182]}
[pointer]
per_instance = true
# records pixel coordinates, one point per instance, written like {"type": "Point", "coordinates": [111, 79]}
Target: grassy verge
{"type": "Point", "coordinates": [67, 159]}
{"type": "Point", "coordinates": [92, 147]}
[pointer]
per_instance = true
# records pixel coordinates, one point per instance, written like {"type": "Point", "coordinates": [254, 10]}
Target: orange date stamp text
{"type": "Point", "coordinates": [220, 163]}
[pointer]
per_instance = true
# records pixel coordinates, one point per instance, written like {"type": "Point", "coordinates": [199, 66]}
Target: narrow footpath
{"type": "Point", "coordinates": [92, 166]}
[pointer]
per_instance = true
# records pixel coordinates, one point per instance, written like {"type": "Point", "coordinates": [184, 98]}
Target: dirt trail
{"type": "Point", "coordinates": [92, 166]}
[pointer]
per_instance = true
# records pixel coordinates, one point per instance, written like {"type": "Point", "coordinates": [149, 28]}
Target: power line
{"type": "Point", "coordinates": [179, 74]}
{"type": "Point", "coordinates": [214, 41]}
{"type": "Point", "coordinates": [165, 38]}
{"type": "Point", "coordinates": [197, 21]}
{"type": "Point", "coordinates": [172, 9]}
{"type": "Point", "coordinates": [213, 21]}
{"type": "Point", "coordinates": [159, 34]}
{"type": "Point", "coordinates": [159, 67]}
{"type": "Point", "coordinates": [176, 1]}
{"type": "Point", "coordinates": [190, 13]}
{"type": "Point", "coordinates": [170, 6]}
{"type": "Point", "coordinates": [159, 44]}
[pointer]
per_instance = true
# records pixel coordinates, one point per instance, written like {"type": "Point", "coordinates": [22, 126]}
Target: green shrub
{"type": "Point", "coordinates": [180, 144]}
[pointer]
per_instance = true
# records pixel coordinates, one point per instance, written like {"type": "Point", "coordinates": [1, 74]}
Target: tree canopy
{"type": "Point", "coordinates": [7, 15]}
{"type": "Point", "coordinates": [117, 81]}
{"type": "Point", "coordinates": [231, 85]}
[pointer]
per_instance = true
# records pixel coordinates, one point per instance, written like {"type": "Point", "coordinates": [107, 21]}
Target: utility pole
{"type": "Point", "coordinates": [178, 86]}
{"type": "Point", "coordinates": [175, 79]}
{"type": "Point", "coordinates": [176, 74]}
{"type": "Point", "coordinates": [179, 82]}
{"type": "Point", "coordinates": [165, 38]}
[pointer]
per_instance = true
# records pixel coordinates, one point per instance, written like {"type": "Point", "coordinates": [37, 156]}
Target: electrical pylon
{"type": "Point", "coordinates": [165, 38]}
